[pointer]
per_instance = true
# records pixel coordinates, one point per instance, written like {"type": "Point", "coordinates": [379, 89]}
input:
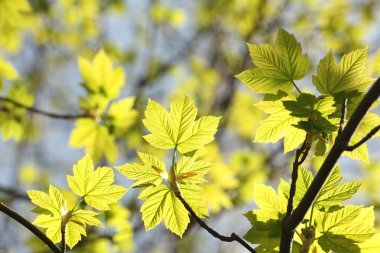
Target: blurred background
{"type": "Point", "coordinates": [165, 48]}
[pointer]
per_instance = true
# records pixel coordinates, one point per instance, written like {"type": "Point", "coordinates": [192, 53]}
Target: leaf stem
{"type": "Point", "coordinates": [12, 214]}
{"type": "Point", "coordinates": [298, 89]}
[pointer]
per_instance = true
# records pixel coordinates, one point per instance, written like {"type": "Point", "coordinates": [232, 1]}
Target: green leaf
{"type": "Point", "coordinates": [73, 232]}
{"type": "Point", "coordinates": [95, 138]}
{"type": "Point", "coordinates": [346, 76]}
{"type": "Point", "coordinates": [372, 245]}
{"type": "Point", "coordinates": [267, 233]}
{"type": "Point", "coordinates": [122, 115]}
{"type": "Point", "coordinates": [161, 203]}
{"type": "Point", "coordinates": [293, 139]}
{"type": "Point", "coordinates": [276, 67]}
{"type": "Point", "coordinates": [302, 185]}
{"type": "Point", "coordinates": [265, 81]}
{"type": "Point", "coordinates": [353, 222]}
{"type": "Point", "coordinates": [276, 126]}
{"type": "Point", "coordinates": [53, 202]}
{"type": "Point", "coordinates": [175, 215]}
{"type": "Point", "coordinates": [307, 105]}
{"type": "Point", "coordinates": [7, 71]}
{"type": "Point", "coordinates": [153, 208]}
{"type": "Point", "coordinates": [337, 243]}
{"type": "Point", "coordinates": [178, 127]}
{"type": "Point", "coordinates": [318, 125]}
{"type": "Point", "coordinates": [95, 185]}
{"type": "Point", "coordinates": [181, 116]}
{"type": "Point", "coordinates": [100, 77]}
{"type": "Point", "coordinates": [52, 223]}
{"type": "Point", "coordinates": [267, 200]}
{"type": "Point", "coordinates": [157, 122]}
{"type": "Point", "coordinates": [57, 216]}
{"type": "Point", "coordinates": [193, 196]}
{"type": "Point", "coordinates": [332, 181]}
{"type": "Point", "coordinates": [338, 195]}
{"type": "Point", "coordinates": [86, 217]}
{"type": "Point", "coordinates": [151, 173]}
{"type": "Point", "coordinates": [190, 171]}
{"type": "Point", "coordinates": [329, 220]}
{"type": "Point", "coordinates": [265, 57]}
{"type": "Point", "coordinates": [201, 133]}
{"type": "Point", "coordinates": [290, 51]}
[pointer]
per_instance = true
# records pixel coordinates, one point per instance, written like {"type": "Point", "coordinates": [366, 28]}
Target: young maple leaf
{"type": "Point", "coordinates": [178, 127]}
{"type": "Point", "coordinates": [54, 216]}
{"type": "Point", "coordinates": [95, 186]}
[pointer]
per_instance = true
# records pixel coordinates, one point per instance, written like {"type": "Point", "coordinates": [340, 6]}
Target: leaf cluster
{"type": "Point", "coordinates": [176, 129]}
{"type": "Point", "coordinates": [329, 227]}
{"type": "Point", "coordinates": [68, 223]}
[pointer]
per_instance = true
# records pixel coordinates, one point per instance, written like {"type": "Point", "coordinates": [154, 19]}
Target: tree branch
{"type": "Point", "coordinates": [301, 155]}
{"type": "Point", "coordinates": [340, 145]}
{"type": "Point", "coordinates": [233, 237]}
{"type": "Point", "coordinates": [8, 211]}
{"type": "Point", "coordinates": [362, 141]}
{"type": "Point", "coordinates": [45, 113]}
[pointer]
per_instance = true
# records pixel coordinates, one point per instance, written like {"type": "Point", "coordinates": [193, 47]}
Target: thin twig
{"type": "Point", "coordinates": [8, 211]}
{"type": "Point", "coordinates": [362, 141]}
{"type": "Point", "coordinates": [233, 237]}
{"type": "Point", "coordinates": [45, 113]}
{"type": "Point", "coordinates": [301, 155]}
{"type": "Point", "coordinates": [343, 116]}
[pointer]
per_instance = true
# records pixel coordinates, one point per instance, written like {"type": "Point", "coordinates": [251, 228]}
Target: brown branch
{"type": "Point", "coordinates": [362, 141]}
{"type": "Point", "coordinates": [12, 214]}
{"type": "Point", "coordinates": [45, 113]}
{"type": "Point", "coordinates": [340, 145]}
{"type": "Point", "coordinates": [301, 155]}
{"type": "Point", "coordinates": [343, 116]}
{"type": "Point", "coordinates": [233, 237]}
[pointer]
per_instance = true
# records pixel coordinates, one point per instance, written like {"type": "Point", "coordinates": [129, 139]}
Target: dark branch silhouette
{"type": "Point", "coordinates": [340, 145]}
{"type": "Point", "coordinates": [8, 211]}
{"type": "Point", "coordinates": [233, 237]}
{"type": "Point", "coordinates": [362, 141]}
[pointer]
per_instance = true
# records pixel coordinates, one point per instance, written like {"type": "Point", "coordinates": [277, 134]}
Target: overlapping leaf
{"type": "Point", "coordinates": [277, 66]}
{"type": "Point", "coordinates": [343, 229]}
{"type": "Point", "coordinates": [266, 221]}
{"type": "Point", "coordinates": [95, 186]}
{"type": "Point", "coordinates": [100, 77]}
{"type": "Point", "coordinates": [178, 127]}
{"type": "Point", "coordinates": [150, 173]}
{"type": "Point", "coordinates": [189, 170]}
{"type": "Point", "coordinates": [161, 203]}
{"type": "Point", "coordinates": [346, 76]}
{"type": "Point", "coordinates": [96, 139]}
{"type": "Point", "coordinates": [53, 215]}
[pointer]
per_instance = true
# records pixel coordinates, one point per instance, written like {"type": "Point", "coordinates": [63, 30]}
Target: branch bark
{"type": "Point", "coordinates": [8, 211]}
{"type": "Point", "coordinates": [233, 237]}
{"type": "Point", "coordinates": [340, 145]}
